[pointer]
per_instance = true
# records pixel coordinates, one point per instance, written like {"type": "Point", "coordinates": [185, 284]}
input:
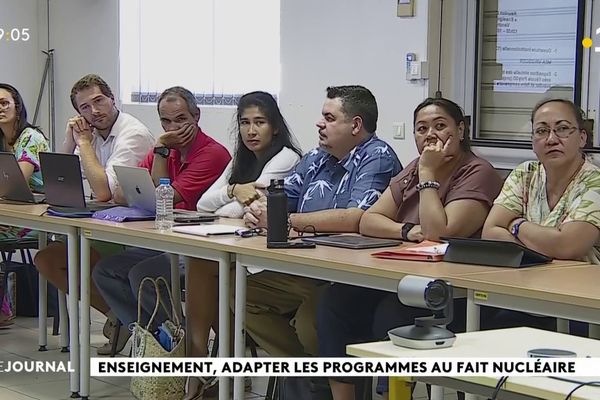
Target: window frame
{"type": "Point", "coordinates": [460, 77]}
{"type": "Point", "coordinates": [476, 90]}
{"type": "Point", "coordinates": [142, 87]}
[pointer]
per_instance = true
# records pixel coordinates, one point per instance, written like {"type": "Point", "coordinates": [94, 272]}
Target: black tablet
{"type": "Point", "coordinates": [352, 241]}
{"type": "Point", "coordinates": [497, 253]}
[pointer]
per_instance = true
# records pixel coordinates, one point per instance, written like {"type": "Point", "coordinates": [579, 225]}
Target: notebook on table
{"type": "Point", "coordinates": [206, 230]}
{"type": "Point", "coordinates": [496, 253]}
{"type": "Point", "coordinates": [352, 241]}
{"type": "Point", "coordinates": [63, 183]}
{"type": "Point", "coordinates": [13, 186]}
{"type": "Point", "coordinates": [424, 251]}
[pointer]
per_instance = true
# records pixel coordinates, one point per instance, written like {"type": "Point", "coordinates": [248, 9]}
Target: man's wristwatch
{"type": "Point", "coordinates": [162, 151]}
{"type": "Point", "coordinates": [515, 228]}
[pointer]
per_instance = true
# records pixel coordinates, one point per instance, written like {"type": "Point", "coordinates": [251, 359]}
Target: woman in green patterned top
{"type": "Point", "coordinates": [25, 141]}
{"type": "Point", "coordinates": [552, 205]}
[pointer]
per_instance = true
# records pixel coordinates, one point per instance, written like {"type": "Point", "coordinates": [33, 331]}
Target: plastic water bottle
{"type": "Point", "coordinates": [164, 205]}
{"type": "Point", "coordinates": [277, 206]}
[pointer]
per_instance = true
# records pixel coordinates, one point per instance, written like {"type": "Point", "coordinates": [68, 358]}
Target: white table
{"type": "Point", "coordinates": [514, 342]}
{"type": "Point", "coordinates": [143, 234]}
{"type": "Point", "coordinates": [346, 266]}
{"type": "Point", "coordinates": [569, 293]}
{"type": "Point", "coordinates": [31, 216]}
{"type": "Point", "coordinates": [354, 267]}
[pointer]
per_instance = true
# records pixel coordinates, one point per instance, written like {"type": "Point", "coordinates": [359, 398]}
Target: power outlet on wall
{"type": "Point", "coordinates": [398, 129]}
{"type": "Point", "coordinates": [406, 8]}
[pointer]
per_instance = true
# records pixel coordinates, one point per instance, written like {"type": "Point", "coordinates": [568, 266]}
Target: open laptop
{"type": "Point", "coordinates": [137, 187]}
{"type": "Point", "coordinates": [352, 241]}
{"type": "Point", "coordinates": [63, 182]}
{"type": "Point", "coordinates": [139, 191]}
{"type": "Point", "coordinates": [13, 186]}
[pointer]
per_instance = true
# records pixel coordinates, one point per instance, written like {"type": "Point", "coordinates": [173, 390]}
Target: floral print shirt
{"type": "Point", "coordinates": [27, 148]}
{"type": "Point", "coordinates": [524, 193]}
{"type": "Point", "coordinates": [320, 181]}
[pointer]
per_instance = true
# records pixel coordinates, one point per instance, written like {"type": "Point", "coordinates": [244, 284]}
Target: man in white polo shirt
{"type": "Point", "coordinates": [102, 136]}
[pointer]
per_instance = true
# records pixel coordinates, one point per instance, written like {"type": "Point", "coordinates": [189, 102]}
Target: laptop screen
{"type": "Point", "coordinates": [12, 182]}
{"type": "Point", "coordinates": [63, 181]}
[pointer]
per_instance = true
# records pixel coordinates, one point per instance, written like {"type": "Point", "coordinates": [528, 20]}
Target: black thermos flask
{"type": "Point", "coordinates": [277, 212]}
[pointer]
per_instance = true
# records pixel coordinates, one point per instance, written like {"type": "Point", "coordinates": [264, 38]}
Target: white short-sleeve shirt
{"type": "Point", "coordinates": [128, 143]}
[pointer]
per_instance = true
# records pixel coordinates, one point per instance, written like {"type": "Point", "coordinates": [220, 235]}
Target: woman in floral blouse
{"type": "Point", "coordinates": [552, 205]}
{"type": "Point", "coordinates": [25, 141]}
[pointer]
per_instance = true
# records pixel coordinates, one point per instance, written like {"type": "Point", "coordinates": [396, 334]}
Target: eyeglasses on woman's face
{"type": "Point", "coordinates": [5, 104]}
{"type": "Point", "coordinates": [562, 131]}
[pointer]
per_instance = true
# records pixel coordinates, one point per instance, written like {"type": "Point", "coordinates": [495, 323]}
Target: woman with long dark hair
{"type": "Point", "coordinates": [265, 149]}
{"type": "Point", "coordinates": [19, 137]}
{"type": "Point", "coordinates": [25, 141]}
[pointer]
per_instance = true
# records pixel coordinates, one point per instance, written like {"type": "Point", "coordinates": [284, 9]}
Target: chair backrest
{"type": "Point", "coordinates": [9, 246]}
{"type": "Point", "coordinates": [503, 173]}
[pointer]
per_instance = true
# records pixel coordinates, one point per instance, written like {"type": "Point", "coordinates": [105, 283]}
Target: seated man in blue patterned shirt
{"type": "Point", "coordinates": [328, 191]}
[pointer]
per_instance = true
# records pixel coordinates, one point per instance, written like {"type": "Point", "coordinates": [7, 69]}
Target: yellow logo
{"type": "Point", "coordinates": [482, 296]}
{"type": "Point", "coordinates": [587, 42]}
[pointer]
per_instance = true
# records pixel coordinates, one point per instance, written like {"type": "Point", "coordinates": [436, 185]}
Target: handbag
{"type": "Point", "coordinates": [146, 345]}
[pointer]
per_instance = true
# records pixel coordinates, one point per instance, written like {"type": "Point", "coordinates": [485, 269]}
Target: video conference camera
{"type": "Point", "coordinates": [427, 332]}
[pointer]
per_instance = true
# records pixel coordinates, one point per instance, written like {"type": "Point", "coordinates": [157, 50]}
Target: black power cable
{"type": "Point", "coordinates": [498, 387]}
{"type": "Point", "coordinates": [590, 383]}
{"type": "Point", "coordinates": [438, 93]}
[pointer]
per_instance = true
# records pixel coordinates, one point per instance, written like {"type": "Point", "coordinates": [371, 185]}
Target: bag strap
{"type": "Point", "coordinates": [169, 310]}
{"type": "Point", "coordinates": [159, 302]}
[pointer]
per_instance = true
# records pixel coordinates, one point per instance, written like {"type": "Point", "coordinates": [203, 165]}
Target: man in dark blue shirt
{"type": "Point", "coordinates": [328, 191]}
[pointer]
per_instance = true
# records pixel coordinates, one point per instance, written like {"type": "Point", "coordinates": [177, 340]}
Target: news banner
{"type": "Point", "coordinates": [233, 367]}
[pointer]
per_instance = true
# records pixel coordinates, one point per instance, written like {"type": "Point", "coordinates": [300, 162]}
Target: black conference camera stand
{"type": "Point", "coordinates": [427, 332]}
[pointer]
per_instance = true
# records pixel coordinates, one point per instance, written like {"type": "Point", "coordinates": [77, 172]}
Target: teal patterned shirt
{"type": "Point", "coordinates": [27, 149]}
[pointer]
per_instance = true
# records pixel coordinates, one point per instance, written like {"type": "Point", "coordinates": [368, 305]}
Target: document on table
{"type": "Point", "coordinates": [206, 230]}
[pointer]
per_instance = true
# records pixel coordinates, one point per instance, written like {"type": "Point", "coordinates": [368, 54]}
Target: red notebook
{"type": "Point", "coordinates": [424, 251]}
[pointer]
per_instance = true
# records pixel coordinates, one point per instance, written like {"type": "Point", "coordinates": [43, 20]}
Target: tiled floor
{"type": "Point", "coordinates": [19, 343]}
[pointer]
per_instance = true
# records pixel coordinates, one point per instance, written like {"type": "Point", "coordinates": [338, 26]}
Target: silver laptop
{"type": "Point", "coordinates": [13, 186]}
{"type": "Point", "coordinates": [139, 191]}
{"type": "Point", "coordinates": [137, 187]}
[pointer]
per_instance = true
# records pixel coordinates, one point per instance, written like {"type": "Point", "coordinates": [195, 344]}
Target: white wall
{"type": "Point", "coordinates": [323, 43]}
{"type": "Point", "coordinates": [22, 62]}
{"type": "Point", "coordinates": [338, 42]}
{"type": "Point", "coordinates": [85, 36]}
